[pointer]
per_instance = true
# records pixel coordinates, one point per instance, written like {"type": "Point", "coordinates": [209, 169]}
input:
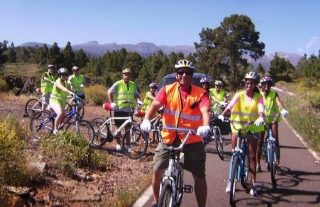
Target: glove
{"type": "Point", "coordinates": [139, 102]}
{"type": "Point", "coordinates": [52, 82]}
{"type": "Point", "coordinates": [71, 93]}
{"type": "Point", "coordinates": [145, 125]}
{"type": "Point", "coordinates": [113, 106]}
{"type": "Point", "coordinates": [203, 131]}
{"type": "Point", "coordinates": [284, 113]}
{"type": "Point", "coordinates": [221, 117]}
{"type": "Point", "coordinates": [81, 86]}
{"type": "Point", "coordinates": [259, 121]}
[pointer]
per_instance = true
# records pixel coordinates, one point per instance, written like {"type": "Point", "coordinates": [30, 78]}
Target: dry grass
{"type": "Point", "coordinates": [21, 69]}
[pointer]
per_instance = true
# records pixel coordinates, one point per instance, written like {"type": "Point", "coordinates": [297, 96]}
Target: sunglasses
{"type": "Point", "coordinates": [185, 72]}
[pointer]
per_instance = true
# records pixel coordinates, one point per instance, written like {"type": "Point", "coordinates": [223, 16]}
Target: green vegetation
{"type": "Point", "coordinates": [96, 94]}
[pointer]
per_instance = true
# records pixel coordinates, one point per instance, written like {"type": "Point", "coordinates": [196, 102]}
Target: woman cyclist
{"type": "Point", "coordinates": [58, 97]}
{"type": "Point", "coordinates": [247, 106]}
{"type": "Point", "coordinates": [150, 96]}
{"type": "Point", "coordinates": [205, 84]}
{"type": "Point", "coordinates": [273, 105]}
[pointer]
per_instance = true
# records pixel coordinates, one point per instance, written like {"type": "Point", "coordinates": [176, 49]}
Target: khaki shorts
{"type": "Point", "coordinates": [194, 158]}
{"type": "Point", "coordinates": [45, 98]}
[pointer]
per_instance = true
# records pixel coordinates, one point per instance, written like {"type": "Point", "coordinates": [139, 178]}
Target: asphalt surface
{"type": "Point", "coordinates": [298, 186]}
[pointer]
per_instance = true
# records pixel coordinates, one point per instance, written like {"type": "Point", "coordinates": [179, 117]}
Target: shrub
{"type": "Point", "coordinates": [3, 86]}
{"type": "Point", "coordinates": [96, 94]}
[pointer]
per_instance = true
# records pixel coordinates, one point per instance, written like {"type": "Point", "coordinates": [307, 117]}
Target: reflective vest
{"type": "Point", "coordinates": [46, 87]}
{"type": "Point", "coordinates": [147, 101]}
{"type": "Point", "coordinates": [271, 108]}
{"type": "Point", "coordinates": [242, 113]}
{"type": "Point", "coordinates": [125, 94]}
{"type": "Point", "coordinates": [76, 82]}
{"type": "Point", "coordinates": [177, 114]}
{"type": "Point", "coordinates": [219, 96]}
{"type": "Point", "coordinates": [58, 96]}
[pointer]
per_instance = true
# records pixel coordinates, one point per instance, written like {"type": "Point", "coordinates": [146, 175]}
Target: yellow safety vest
{"type": "Point", "coordinates": [242, 113]}
{"type": "Point", "coordinates": [58, 96]}
{"type": "Point", "coordinates": [124, 94]}
{"type": "Point", "coordinates": [76, 82]}
{"type": "Point", "coordinates": [46, 87]}
{"type": "Point", "coordinates": [271, 108]}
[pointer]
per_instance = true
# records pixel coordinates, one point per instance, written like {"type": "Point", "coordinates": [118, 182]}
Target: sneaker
{"type": "Point", "coordinates": [54, 132]}
{"type": "Point", "coordinates": [253, 191]}
{"type": "Point", "coordinates": [228, 186]}
{"type": "Point", "coordinates": [258, 168]}
{"type": "Point", "coordinates": [118, 147]}
{"type": "Point", "coordinates": [154, 204]}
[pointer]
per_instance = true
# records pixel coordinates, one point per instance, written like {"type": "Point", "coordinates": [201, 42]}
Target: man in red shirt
{"type": "Point", "coordinates": [192, 110]}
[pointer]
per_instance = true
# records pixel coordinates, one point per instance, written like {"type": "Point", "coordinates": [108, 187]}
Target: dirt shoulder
{"type": "Point", "coordinates": [125, 180]}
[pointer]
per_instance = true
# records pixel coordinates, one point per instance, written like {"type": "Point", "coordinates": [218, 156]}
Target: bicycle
{"type": "Point", "coordinates": [172, 187]}
{"type": "Point", "coordinates": [42, 122]}
{"type": "Point", "coordinates": [34, 105]}
{"type": "Point", "coordinates": [240, 164]}
{"type": "Point", "coordinates": [103, 132]}
{"type": "Point", "coordinates": [271, 151]}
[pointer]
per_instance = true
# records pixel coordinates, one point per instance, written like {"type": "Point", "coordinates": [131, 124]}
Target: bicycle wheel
{"type": "Point", "coordinates": [100, 139]}
{"type": "Point", "coordinates": [218, 141]}
{"type": "Point", "coordinates": [245, 174]}
{"type": "Point", "coordinates": [165, 199]}
{"type": "Point", "coordinates": [138, 143]}
{"type": "Point", "coordinates": [179, 186]}
{"type": "Point", "coordinates": [69, 108]}
{"type": "Point", "coordinates": [233, 181]}
{"type": "Point", "coordinates": [32, 106]}
{"type": "Point", "coordinates": [272, 165]}
{"type": "Point", "coordinates": [84, 129]}
{"type": "Point", "coordinates": [41, 124]}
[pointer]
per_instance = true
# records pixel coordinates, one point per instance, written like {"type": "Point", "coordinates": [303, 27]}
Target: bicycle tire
{"type": "Point", "coordinates": [99, 139]}
{"type": "Point", "coordinates": [85, 130]}
{"type": "Point", "coordinates": [138, 142]}
{"type": "Point", "coordinates": [69, 108]}
{"type": "Point", "coordinates": [233, 181]}
{"type": "Point", "coordinates": [272, 166]}
{"type": "Point", "coordinates": [179, 190]}
{"type": "Point", "coordinates": [218, 141]}
{"type": "Point", "coordinates": [245, 174]}
{"type": "Point", "coordinates": [165, 199]}
{"type": "Point", "coordinates": [32, 106]}
{"type": "Point", "coordinates": [41, 124]}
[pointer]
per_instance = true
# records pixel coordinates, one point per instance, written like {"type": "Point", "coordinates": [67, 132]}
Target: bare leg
{"type": "Point", "coordinates": [260, 144]}
{"type": "Point", "coordinates": [200, 189]}
{"type": "Point", "coordinates": [156, 180]}
{"type": "Point", "coordinates": [253, 145]}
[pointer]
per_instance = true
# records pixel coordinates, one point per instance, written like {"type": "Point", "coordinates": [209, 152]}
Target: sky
{"type": "Point", "coordinates": [290, 26]}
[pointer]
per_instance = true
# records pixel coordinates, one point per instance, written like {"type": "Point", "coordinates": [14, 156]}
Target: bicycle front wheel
{"type": "Point", "coordinates": [41, 124]}
{"type": "Point", "coordinates": [272, 164]}
{"type": "Point", "coordinates": [245, 174]}
{"type": "Point", "coordinates": [84, 128]}
{"type": "Point", "coordinates": [32, 106]}
{"type": "Point", "coordinates": [165, 199]}
{"type": "Point", "coordinates": [138, 143]}
{"type": "Point", "coordinates": [234, 179]}
{"type": "Point", "coordinates": [99, 138]}
{"type": "Point", "coordinates": [218, 141]}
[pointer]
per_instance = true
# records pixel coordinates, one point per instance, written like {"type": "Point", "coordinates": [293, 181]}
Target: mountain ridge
{"type": "Point", "coordinates": [94, 48]}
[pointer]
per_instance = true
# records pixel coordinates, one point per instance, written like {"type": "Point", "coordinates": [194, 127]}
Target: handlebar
{"type": "Point", "coordinates": [274, 120]}
{"type": "Point", "coordinates": [181, 130]}
{"type": "Point", "coordinates": [243, 128]}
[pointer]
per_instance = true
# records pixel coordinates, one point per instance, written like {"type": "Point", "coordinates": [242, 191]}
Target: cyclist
{"type": "Point", "coordinates": [58, 97]}
{"type": "Point", "coordinates": [187, 106]}
{"type": "Point", "coordinates": [121, 97]}
{"type": "Point", "coordinates": [205, 84]}
{"type": "Point", "coordinates": [47, 81]}
{"type": "Point", "coordinates": [76, 83]}
{"type": "Point", "coordinates": [273, 105]}
{"type": "Point", "coordinates": [217, 95]}
{"type": "Point", "coordinates": [150, 96]}
{"type": "Point", "coordinates": [247, 106]}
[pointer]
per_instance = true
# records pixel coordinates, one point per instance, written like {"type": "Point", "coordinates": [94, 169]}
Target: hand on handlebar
{"type": "Point", "coordinates": [113, 106]}
{"type": "Point", "coordinates": [145, 126]}
{"type": "Point", "coordinates": [284, 113]}
{"type": "Point", "coordinates": [140, 103]}
{"type": "Point", "coordinates": [259, 121]}
{"type": "Point", "coordinates": [81, 86]}
{"type": "Point", "coordinates": [203, 131]}
{"type": "Point", "coordinates": [221, 117]}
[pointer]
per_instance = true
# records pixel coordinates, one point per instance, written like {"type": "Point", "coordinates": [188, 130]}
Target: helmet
{"type": "Point", "coordinates": [218, 83]}
{"type": "Point", "coordinates": [63, 71]}
{"type": "Point", "coordinates": [50, 66]}
{"type": "Point", "coordinates": [75, 68]}
{"type": "Point", "coordinates": [153, 85]}
{"type": "Point", "coordinates": [265, 79]}
{"type": "Point", "coordinates": [253, 76]}
{"type": "Point", "coordinates": [126, 70]}
{"type": "Point", "coordinates": [184, 64]}
{"type": "Point", "coordinates": [204, 80]}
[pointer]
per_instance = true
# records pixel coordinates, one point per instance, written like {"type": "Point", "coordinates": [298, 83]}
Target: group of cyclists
{"type": "Point", "coordinates": [55, 90]}
{"type": "Point", "coordinates": [185, 105]}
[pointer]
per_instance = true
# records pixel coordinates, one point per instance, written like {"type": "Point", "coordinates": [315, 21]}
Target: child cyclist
{"type": "Point", "coordinates": [273, 105]}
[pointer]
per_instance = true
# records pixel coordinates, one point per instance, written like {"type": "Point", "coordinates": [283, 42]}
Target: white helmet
{"type": "Point", "coordinates": [184, 64]}
{"type": "Point", "coordinates": [218, 83]}
{"type": "Point", "coordinates": [63, 71]}
{"type": "Point", "coordinates": [252, 75]}
{"type": "Point", "coordinates": [75, 68]}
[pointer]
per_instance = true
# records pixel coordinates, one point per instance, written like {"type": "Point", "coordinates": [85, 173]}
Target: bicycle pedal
{"type": "Point", "coordinates": [187, 188]}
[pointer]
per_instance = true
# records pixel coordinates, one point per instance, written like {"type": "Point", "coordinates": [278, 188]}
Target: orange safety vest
{"type": "Point", "coordinates": [179, 114]}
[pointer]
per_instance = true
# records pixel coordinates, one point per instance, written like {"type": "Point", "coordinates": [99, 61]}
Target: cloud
{"type": "Point", "coordinates": [310, 46]}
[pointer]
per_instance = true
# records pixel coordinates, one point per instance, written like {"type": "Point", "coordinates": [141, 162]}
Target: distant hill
{"type": "Point", "coordinates": [145, 48]}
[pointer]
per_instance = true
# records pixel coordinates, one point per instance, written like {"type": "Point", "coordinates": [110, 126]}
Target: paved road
{"type": "Point", "coordinates": [299, 186]}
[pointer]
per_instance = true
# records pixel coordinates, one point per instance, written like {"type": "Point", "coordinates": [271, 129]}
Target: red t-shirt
{"type": "Point", "coordinates": [162, 97]}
